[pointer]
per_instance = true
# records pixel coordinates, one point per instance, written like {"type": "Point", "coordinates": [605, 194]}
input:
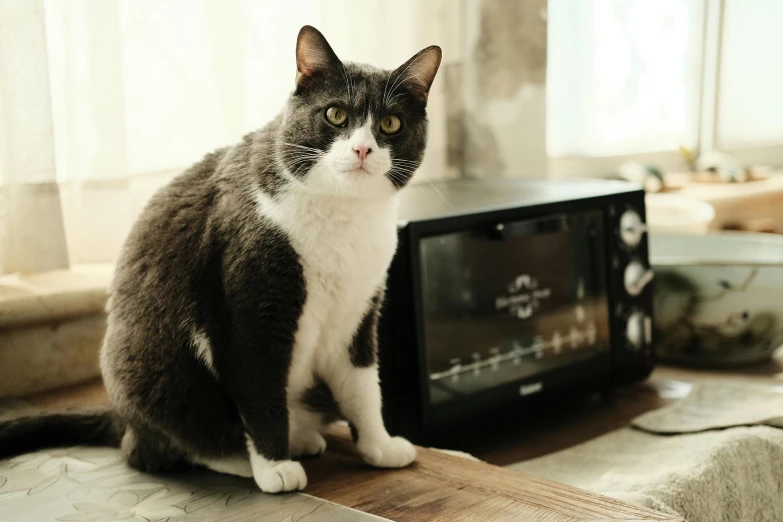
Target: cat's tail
{"type": "Point", "coordinates": [102, 427]}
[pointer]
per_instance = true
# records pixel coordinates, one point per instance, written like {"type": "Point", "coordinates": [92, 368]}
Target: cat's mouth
{"type": "Point", "coordinates": [358, 170]}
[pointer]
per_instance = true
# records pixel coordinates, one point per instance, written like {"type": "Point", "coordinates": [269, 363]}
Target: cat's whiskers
{"type": "Point", "coordinates": [293, 158]}
{"type": "Point", "coordinates": [406, 168]}
{"type": "Point", "coordinates": [288, 160]}
{"type": "Point", "coordinates": [426, 195]}
{"type": "Point", "coordinates": [301, 153]}
{"type": "Point", "coordinates": [399, 176]}
{"type": "Point", "coordinates": [432, 184]}
{"type": "Point", "coordinates": [296, 164]}
{"type": "Point", "coordinates": [440, 182]}
{"type": "Point", "coordinates": [406, 162]}
{"type": "Point", "coordinates": [291, 178]}
{"type": "Point", "coordinates": [301, 161]}
{"type": "Point", "coordinates": [403, 167]}
{"type": "Point", "coordinates": [297, 169]}
{"type": "Point", "coordinates": [396, 176]}
{"type": "Point", "coordinates": [277, 155]}
{"type": "Point", "coordinates": [320, 151]}
{"type": "Point", "coordinates": [300, 156]}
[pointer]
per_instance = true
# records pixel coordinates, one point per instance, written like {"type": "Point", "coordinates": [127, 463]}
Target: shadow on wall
{"type": "Point", "coordinates": [500, 88]}
{"type": "Point", "coordinates": [511, 48]}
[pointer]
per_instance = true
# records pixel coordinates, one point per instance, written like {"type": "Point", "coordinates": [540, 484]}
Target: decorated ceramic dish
{"type": "Point", "coordinates": [718, 297]}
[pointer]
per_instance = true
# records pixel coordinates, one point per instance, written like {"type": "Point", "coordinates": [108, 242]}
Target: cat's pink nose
{"type": "Point", "coordinates": [362, 151]}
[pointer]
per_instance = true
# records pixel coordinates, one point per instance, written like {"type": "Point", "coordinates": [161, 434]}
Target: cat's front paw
{"type": "Point", "coordinates": [277, 477]}
{"type": "Point", "coordinates": [392, 452]}
{"type": "Point", "coordinates": [307, 444]}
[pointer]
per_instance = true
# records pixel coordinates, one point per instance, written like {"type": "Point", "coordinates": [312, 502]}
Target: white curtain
{"type": "Point", "coordinates": [102, 101]}
{"type": "Point", "coordinates": [27, 170]}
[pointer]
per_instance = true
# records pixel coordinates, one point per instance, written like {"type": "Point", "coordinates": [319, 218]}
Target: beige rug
{"type": "Point", "coordinates": [715, 456]}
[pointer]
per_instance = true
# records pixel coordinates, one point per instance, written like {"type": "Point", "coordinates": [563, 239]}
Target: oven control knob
{"type": "Point", "coordinates": [638, 330]}
{"type": "Point", "coordinates": [632, 228]}
{"type": "Point", "coordinates": [636, 277]}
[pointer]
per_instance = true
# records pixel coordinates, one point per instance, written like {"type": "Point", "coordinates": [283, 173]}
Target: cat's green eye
{"type": "Point", "coordinates": [336, 116]}
{"type": "Point", "coordinates": [391, 125]}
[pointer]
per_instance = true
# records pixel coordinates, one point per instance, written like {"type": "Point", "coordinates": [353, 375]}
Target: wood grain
{"type": "Point", "coordinates": [439, 486]}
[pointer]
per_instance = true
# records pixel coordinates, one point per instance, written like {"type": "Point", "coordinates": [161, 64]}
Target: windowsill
{"type": "Point", "coordinates": [34, 299]}
{"type": "Point", "coordinates": [51, 326]}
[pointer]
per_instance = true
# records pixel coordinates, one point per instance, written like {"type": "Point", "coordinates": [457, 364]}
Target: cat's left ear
{"type": "Point", "coordinates": [418, 73]}
{"type": "Point", "coordinates": [314, 55]}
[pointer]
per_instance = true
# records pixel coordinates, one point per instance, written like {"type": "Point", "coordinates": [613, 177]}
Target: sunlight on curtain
{"type": "Point", "coordinates": [138, 90]}
{"type": "Point", "coordinates": [622, 76]}
{"type": "Point", "coordinates": [31, 228]}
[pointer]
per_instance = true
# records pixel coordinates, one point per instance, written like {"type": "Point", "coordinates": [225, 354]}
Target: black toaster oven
{"type": "Point", "coordinates": [505, 291]}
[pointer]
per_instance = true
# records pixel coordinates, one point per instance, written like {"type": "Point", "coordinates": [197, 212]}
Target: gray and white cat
{"type": "Point", "coordinates": [243, 313]}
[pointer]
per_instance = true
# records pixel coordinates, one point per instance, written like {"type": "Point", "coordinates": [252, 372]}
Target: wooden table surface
{"type": "Point", "coordinates": [449, 488]}
{"type": "Point", "coordinates": [445, 487]}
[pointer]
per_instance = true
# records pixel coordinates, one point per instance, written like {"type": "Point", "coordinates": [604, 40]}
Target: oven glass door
{"type": "Point", "coordinates": [511, 301]}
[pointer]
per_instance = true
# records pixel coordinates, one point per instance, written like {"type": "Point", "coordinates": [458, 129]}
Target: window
{"type": "Point", "coordinates": [639, 79]}
{"type": "Point", "coordinates": [750, 89]}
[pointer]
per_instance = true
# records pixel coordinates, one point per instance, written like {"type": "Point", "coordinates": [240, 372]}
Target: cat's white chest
{"type": "Point", "coordinates": [345, 252]}
{"type": "Point", "coordinates": [344, 261]}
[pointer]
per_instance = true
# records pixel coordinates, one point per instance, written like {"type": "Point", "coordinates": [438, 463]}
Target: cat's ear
{"type": "Point", "coordinates": [313, 55]}
{"type": "Point", "coordinates": [418, 73]}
